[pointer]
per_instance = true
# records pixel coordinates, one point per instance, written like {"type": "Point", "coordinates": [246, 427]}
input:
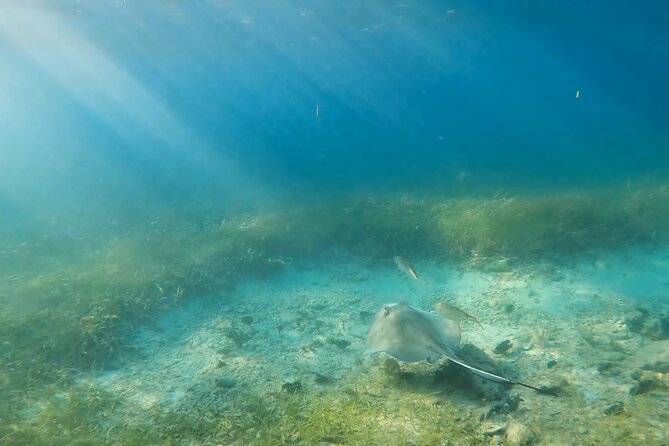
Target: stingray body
{"type": "Point", "coordinates": [413, 335]}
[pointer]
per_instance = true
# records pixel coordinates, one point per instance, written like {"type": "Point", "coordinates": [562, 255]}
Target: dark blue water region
{"type": "Point", "coordinates": [367, 94]}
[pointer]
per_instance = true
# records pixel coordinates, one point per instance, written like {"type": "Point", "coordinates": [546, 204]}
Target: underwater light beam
{"type": "Point", "coordinates": [112, 95]}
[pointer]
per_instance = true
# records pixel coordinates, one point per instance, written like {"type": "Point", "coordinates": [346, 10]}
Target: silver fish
{"type": "Point", "coordinates": [405, 266]}
{"type": "Point", "coordinates": [454, 313]}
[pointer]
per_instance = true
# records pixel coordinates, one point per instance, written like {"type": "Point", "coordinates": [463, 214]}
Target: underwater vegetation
{"type": "Point", "coordinates": [69, 306]}
{"type": "Point", "coordinates": [87, 416]}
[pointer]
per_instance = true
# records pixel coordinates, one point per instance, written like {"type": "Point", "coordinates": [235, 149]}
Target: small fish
{"type": "Point", "coordinates": [578, 94]}
{"type": "Point", "coordinates": [454, 313]}
{"type": "Point", "coordinates": [318, 110]}
{"type": "Point", "coordinates": [405, 266]}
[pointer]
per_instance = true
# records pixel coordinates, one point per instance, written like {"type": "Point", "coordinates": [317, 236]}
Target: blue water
{"type": "Point", "coordinates": [102, 100]}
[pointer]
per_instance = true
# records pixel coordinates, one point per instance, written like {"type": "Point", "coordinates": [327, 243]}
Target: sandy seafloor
{"type": "Point", "coordinates": [592, 328]}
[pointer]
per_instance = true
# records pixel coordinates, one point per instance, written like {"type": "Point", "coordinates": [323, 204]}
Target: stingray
{"type": "Point", "coordinates": [413, 335]}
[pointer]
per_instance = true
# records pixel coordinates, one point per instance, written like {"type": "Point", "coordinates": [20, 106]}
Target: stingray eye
{"type": "Point", "coordinates": [386, 310]}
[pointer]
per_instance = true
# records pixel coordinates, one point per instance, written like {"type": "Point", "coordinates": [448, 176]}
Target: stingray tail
{"type": "Point", "coordinates": [491, 376]}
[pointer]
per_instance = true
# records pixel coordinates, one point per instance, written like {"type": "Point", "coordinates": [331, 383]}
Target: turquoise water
{"type": "Point", "coordinates": [200, 204]}
{"type": "Point", "coordinates": [164, 98]}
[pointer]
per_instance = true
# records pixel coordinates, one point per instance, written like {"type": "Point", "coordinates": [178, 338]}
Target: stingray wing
{"type": "Point", "coordinates": [443, 331]}
{"type": "Point", "coordinates": [410, 334]}
{"type": "Point", "coordinates": [398, 330]}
